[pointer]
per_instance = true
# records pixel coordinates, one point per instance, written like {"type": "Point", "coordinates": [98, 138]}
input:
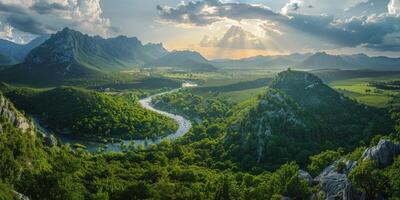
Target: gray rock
{"type": "Point", "coordinates": [306, 176]}
{"type": "Point", "coordinates": [383, 153]}
{"type": "Point", "coordinates": [8, 111]}
{"type": "Point", "coordinates": [21, 196]}
{"type": "Point", "coordinates": [336, 185]}
{"type": "Point", "coordinates": [50, 140]}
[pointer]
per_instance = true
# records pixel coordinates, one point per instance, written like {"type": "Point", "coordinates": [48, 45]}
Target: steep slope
{"type": "Point", "coordinates": [186, 60]}
{"type": "Point", "coordinates": [9, 113]}
{"type": "Point", "coordinates": [17, 52]}
{"type": "Point", "coordinates": [70, 54]}
{"type": "Point", "coordinates": [7, 60]}
{"type": "Point", "coordinates": [299, 116]}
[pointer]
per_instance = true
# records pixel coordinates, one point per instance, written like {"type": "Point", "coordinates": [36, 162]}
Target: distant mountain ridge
{"type": "Point", "coordinates": [357, 61]}
{"type": "Point", "coordinates": [320, 60]}
{"type": "Point", "coordinates": [189, 60]}
{"type": "Point", "coordinates": [13, 53]}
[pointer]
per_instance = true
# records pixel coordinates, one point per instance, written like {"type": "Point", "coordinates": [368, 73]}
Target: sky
{"type": "Point", "coordinates": [218, 28]}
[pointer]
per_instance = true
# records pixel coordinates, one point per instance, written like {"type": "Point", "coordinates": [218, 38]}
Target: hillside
{"type": "Point", "coordinates": [297, 116]}
{"type": "Point", "coordinates": [184, 60]}
{"type": "Point", "coordinates": [84, 113]}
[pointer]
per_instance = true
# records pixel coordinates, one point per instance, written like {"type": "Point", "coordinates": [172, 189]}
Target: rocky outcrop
{"type": "Point", "coordinates": [50, 140]}
{"type": "Point", "coordinates": [8, 111]}
{"type": "Point", "coordinates": [383, 153]}
{"type": "Point", "coordinates": [334, 184]}
{"type": "Point", "coordinates": [21, 196]}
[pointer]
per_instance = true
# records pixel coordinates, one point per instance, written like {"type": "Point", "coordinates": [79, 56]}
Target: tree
{"type": "Point", "coordinates": [322, 160]}
{"type": "Point", "coordinates": [286, 182]}
{"type": "Point", "coordinates": [368, 179]}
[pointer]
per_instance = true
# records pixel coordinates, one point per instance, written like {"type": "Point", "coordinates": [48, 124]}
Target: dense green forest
{"type": "Point", "coordinates": [218, 158]}
{"type": "Point", "coordinates": [84, 113]}
{"type": "Point", "coordinates": [168, 171]}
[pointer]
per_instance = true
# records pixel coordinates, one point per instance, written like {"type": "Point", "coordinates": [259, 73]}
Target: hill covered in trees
{"type": "Point", "coordinates": [83, 113]}
{"type": "Point", "coordinates": [299, 116]}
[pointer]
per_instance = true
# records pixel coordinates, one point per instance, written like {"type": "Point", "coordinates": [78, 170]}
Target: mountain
{"type": "Point", "coordinates": [357, 61]}
{"type": "Point", "coordinates": [16, 53]}
{"type": "Point", "coordinates": [297, 116]}
{"type": "Point", "coordinates": [69, 54]}
{"type": "Point", "coordinates": [280, 61]}
{"type": "Point", "coordinates": [320, 60]}
{"type": "Point", "coordinates": [69, 47]}
{"type": "Point", "coordinates": [186, 60]}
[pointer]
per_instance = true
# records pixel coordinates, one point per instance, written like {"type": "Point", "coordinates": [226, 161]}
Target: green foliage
{"type": "Point", "coordinates": [194, 106]}
{"type": "Point", "coordinates": [6, 193]}
{"type": "Point", "coordinates": [297, 117]}
{"type": "Point", "coordinates": [85, 113]}
{"type": "Point", "coordinates": [286, 182]}
{"type": "Point", "coordinates": [393, 174]}
{"type": "Point", "coordinates": [367, 178]}
{"type": "Point", "coordinates": [320, 161]}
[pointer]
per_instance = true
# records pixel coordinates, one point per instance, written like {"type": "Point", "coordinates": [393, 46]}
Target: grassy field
{"type": "Point", "coordinates": [360, 90]}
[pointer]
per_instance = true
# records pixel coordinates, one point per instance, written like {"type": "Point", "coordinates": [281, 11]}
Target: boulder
{"type": "Point", "coordinates": [336, 185]}
{"type": "Point", "coordinates": [50, 140]}
{"type": "Point", "coordinates": [383, 153]}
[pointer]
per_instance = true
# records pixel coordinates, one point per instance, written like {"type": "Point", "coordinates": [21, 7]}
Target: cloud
{"type": "Point", "coordinates": [46, 7]}
{"type": "Point", "coordinates": [47, 16]}
{"type": "Point", "coordinates": [7, 32]}
{"type": "Point", "coordinates": [377, 31]}
{"type": "Point", "coordinates": [202, 13]}
{"type": "Point", "coordinates": [394, 7]}
{"type": "Point", "coordinates": [234, 38]}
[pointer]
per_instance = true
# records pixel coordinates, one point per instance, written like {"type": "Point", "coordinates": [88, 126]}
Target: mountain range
{"type": "Point", "coordinates": [69, 54]}
{"type": "Point", "coordinates": [320, 60]}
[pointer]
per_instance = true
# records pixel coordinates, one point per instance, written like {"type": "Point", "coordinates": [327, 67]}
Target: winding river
{"type": "Point", "coordinates": [184, 126]}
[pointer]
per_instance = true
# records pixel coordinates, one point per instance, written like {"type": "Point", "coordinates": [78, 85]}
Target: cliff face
{"type": "Point", "coordinates": [9, 112]}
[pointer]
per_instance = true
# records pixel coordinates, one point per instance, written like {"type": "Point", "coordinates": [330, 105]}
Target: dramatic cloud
{"type": "Point", "coordinates": [7, 32]}
{"type": "Point", "coordinates": [47, 16]}
{"type": "Point", "coordinates": [377, 31]}
{"type": "Point", "coordinates": [234, 38]}
{"type": "Point", "coordinates": [202, 13]}
{"type": "Point", "coordinates": [394, 7]}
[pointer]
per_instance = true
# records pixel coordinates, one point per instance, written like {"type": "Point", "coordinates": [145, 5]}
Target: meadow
{"type": "Point", "coordinates": [364, 92]}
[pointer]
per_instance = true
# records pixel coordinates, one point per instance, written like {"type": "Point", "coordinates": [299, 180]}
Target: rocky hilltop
{"type": "Point", "coordinates": [10, 113]}
{"type": "Point", "coordinates": [299, 116]}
